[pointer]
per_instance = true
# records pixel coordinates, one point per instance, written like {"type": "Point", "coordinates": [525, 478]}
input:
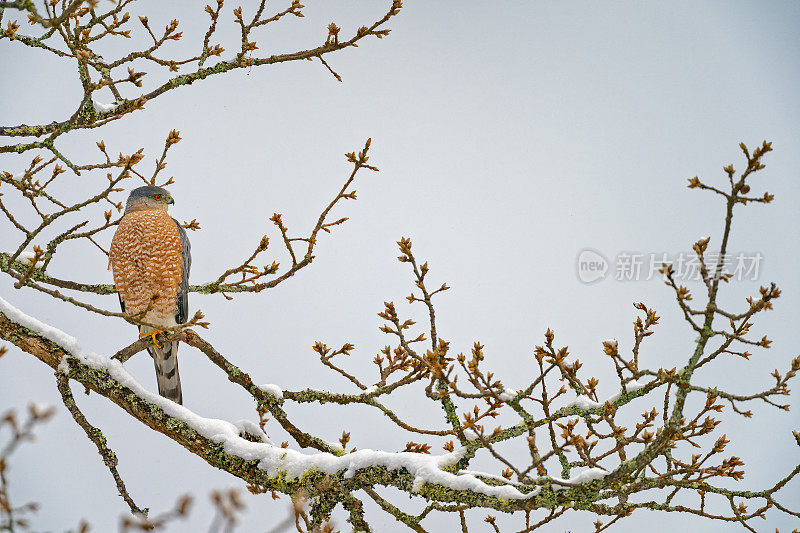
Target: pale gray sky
{"type": "Point", "coordinates": [510, 136]}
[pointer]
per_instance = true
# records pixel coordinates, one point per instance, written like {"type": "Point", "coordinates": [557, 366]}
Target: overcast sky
{"type": "Point", "coordinates": [510, 137]}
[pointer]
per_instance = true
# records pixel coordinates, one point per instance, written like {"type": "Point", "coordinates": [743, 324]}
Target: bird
{"type": "Point", "coordinates": [150, 256]}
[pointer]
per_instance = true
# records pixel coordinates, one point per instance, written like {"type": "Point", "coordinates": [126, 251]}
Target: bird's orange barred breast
{"type": "Point", "coordinates": [146, 258]}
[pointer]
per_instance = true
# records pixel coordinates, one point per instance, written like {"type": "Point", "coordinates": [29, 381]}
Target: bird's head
{"type": "Point", "coordinates": [148, 198]}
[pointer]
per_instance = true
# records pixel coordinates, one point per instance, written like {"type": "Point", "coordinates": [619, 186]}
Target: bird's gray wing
{"type": "Point", "coordinates": [183, 293]}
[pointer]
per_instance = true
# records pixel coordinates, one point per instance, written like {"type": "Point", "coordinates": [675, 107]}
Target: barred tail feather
{"type": "Point", "coordinates": [167, 376]}
{"type": "Point", "coordinates": [169, 380]}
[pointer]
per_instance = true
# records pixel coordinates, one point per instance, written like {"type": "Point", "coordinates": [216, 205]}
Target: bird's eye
{"type": "Point", "coordinates": [157, 197]}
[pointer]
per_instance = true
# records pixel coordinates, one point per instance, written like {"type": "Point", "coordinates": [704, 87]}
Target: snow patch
{"type": "Point", "coordinates": [491, 476]}
{"type": "Point", "coordinates": [248, 426]}
{"type": "Point", "coordinates": [69, 343]}
{"type": "Point", "coordinates": [336, 446]}
{"type": "Point", "coordinates": [28, 257]}
{"type": "Point", "coordinates": [274, 390]}
{"type": "Point", "coordinates": [508, 394]}
{"type": "Point", "coordinates": [470, 434]}
{"type": "Point", "coordinates": [469, 479]}
{"type": "Point", "coordinates": [100, 107]}
{"type": "Point", "coordinates": [611, 342]}
{"type": "Point", "coordinates": [584, 402]}
{"type": "Point", "coordinates": [587, 475]}
{"type": "Point", "coordinates": [633, 386]}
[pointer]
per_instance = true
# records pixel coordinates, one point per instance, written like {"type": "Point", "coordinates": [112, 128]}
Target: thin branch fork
{"type": "Point", "coordinates": [96, 436]}
{"type": "Point", "coordinates": [87, 120]}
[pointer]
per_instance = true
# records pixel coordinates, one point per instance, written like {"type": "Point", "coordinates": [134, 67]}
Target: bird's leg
{"type": "Point", "coordinates": [153, 335]}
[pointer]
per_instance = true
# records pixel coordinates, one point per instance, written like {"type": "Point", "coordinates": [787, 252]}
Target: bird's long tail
{"type": "Point", "coordinates": [166, 363]}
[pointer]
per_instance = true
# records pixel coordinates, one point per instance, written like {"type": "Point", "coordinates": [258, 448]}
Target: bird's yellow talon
{"type": "Point", "coordinates": [152, 335]}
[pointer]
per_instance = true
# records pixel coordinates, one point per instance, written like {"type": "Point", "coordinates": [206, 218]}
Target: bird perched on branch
{"type": "Point", "coordinates": [151, 256]}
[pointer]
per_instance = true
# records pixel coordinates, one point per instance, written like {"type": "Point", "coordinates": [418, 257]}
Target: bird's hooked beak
{"type": "Point", "coordinates": [170, 201]}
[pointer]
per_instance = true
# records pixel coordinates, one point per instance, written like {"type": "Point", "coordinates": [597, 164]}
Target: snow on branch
{"type": "Point", "coordinates": [276, 461]}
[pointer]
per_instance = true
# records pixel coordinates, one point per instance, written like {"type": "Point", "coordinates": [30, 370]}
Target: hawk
{"type": "Point", "coordinates": [150, 256]}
